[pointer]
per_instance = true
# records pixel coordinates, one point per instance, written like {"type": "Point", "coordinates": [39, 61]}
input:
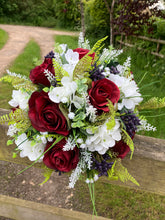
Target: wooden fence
{"type": "Point", "coordinates": [124, 41]}
{"type": "Point", "coordinates": [147, 166]}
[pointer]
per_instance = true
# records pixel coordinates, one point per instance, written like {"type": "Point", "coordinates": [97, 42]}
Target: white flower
{"type": "Point", "coordinates": [103, 138]}
{"type": "Point", "coordinates": [63, 47]}
{"type": "Point", "coordinates": [12, 130]}
{"type": "Point", "coordinates": [96, 177]}
{"type": "Point", "coordinates": [72, 57]}
{"type": "Point", "coordinates": [20, 99]}
{"type": "Point", "coordinates": [70, 144]}
{"type": "Point", "coordinates": [129, 95]}
{"type": "Point", "coordinates": [145, 126]}
{"type": "Point", "coordinates": [63, 93]}
{"type": "Point", "coordinates": [29, 150]}
{"type": "Point", "coordinates": [87, 181]}
{"type": "Point", "coordinates": [71, 115]}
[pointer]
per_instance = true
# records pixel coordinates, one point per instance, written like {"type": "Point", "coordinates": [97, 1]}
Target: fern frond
{"type": "Point", "coordinates": [59, 71]}
{"type": "Point", "coordinates": [111, 121]}
{"type": "Point", "coordinates": [153, 103]}
{"type": "Point", "coordinates": [83, 67]}
{"type": "Point", "coordinates": [18, 117]}
{"type": "Point", "coordinates": [111, 172]}
{"type": "Point", "coordinates": [122, 173]}
{"type": "Point", "coordinates": [98, 46]}
{"type": "Point", "coordinates": [47, 174]}
{"type": "Point", "coordinates": [19, 82]}
{"type": "Point", "coordinates": [127, 139]}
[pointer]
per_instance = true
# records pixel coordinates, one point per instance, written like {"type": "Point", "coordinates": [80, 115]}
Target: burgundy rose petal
{"type": "Point", "coordinates": [103, 90]}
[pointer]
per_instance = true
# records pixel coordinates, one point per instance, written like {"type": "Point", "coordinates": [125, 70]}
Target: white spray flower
{"type": "Point", "coordinates": [20, 99]}
{"type": "Point", "coordinates": [63, 93]}
{"type": "Point", "coordinates": [128, 91]}
{"type": "Point", "coordinates": [29, 150]}
{"type": "Point", "coordinates": [103, 138]}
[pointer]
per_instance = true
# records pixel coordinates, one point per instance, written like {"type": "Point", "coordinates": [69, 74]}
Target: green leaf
{"type": "Point", "coordinates": [46, 89]}
{"type": "Point", "coordinates": [14, 155]}
{"type": "Point", "coordinates": [9, 142]}
{"type": "Point", "coordinates": [47, 174]}
{"type": "Point", "coordinates": [80, 117]}
{"type": "Point", "coordinates": [77, 124]}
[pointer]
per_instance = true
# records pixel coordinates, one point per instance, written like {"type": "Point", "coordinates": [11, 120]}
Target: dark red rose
{"type": "Point", "coordinates": [58, 159]}
{"type": "Point", "coordinates": [82, 52]}
{"type": "Point", "coordinates": [121, 149]}
{"type": "Point", "coordinates": [45, 115]}
{"type": "Point", "coordinates": [101, 91]}
{"type": "Point", "coordinates": [37, 74]}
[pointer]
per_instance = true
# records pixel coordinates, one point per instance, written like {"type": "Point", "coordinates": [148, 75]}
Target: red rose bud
{"type": "Point", "coordinates": [121, 149]}
{"type": "Point", "coordinates": [45, 115]}
{"type": "Point", "coordinates": [103, 90]}
{"type": "Point", "coordinates": [60, 160]}
{"type": "Point", "coordinates": [82, 52]}
{"type": "Point", "coordinates": [37, 74]}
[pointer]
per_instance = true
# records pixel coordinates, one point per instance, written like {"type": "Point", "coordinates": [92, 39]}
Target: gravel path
{"type": "Point", "coordinates": [19, 37]}
{"type": "Point", "coordinates": [26, 185]}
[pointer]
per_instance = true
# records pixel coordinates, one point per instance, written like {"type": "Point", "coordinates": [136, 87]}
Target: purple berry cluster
{"type": "Point", "coordinates": [131, 121]}
{"type": "Point", "coordinates": [114, 70]}
{"type": "Point", "coordinates": [96, 73]}
{"type": "Point", "coordinates": [50, 55]}
{"type": "Point", "coordinates": [103, 166]}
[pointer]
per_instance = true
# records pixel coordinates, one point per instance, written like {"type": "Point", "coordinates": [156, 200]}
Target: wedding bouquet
{"type": "Point", "coordinates": [78, 112]}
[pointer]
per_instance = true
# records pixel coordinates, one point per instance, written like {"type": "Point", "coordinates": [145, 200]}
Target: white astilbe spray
{"type": "Point", "coordinates": [85, 162]}
{"type": "Point", "coordinates": [12, 130]}
{"type": "Point", "coordinates": [49, 75]}
{"type": "Point", "coordinates": [80, 40]}
{"type": "Point", "coordinates": [83, 43]}
{"type": "Point", "coordinates": [16, 75]}
{"type": "Point", "coordinates": [145, 126]}
{"type": "Point", "coordinates": [90, 110]}
{"type": "Point", "coordinates": [125, 68]}
{"type": "Point", "coordinates": [109, 54]}
{"type": "Point", "coordinates": [58, 58]}
{"type": "Point", "coordinates": [70, 144]}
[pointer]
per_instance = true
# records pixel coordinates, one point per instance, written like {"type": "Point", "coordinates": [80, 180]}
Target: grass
{"type": "Point", "coordinates": [71, 41]}
{"type": "Point", "coordinates": [22, 65]}
{"type": "Point", "coordinates": [3, 38]}
{"type": "Point", "coordinates": [119, 203]}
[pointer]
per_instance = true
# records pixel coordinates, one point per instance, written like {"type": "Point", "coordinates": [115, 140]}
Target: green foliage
{"type": "Point", "coordinates": [96, 20]}
{"type": "Point", "coordinates": [47, 174]}
{"type": "Point", "coordinates": [118, 171]}
{"type": "Point", "coordinates": [18, 117]}
{"type": "Point", "coordinates": [127, 139]}
{"type": "Point", "coordinates": [153, 103]}
{"type": "Point", "coordinates": [60, 72]}
{"type": "Point", "coordinates": [19, 82]}
{"type": "Point", "coordinates": [122, 173]}
{"type": "Point", "coordinates": [83, 67]}
{"type": "Point", "coordinates": [47, 13]}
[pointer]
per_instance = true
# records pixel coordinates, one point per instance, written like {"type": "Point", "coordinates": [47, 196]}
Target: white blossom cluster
{"type": "Point", "coordinates": [145, 126]}
{"type": "Point", "coordinates": [85, 161]}
{"type": "Point", "coordinates": [129, 94]}
{"type": "Point", "coordinates": [103, 138]}
{"type": "Point", "coordinates": [19, 98]}
{"type": "Point", "coordinates": [27, 149]}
